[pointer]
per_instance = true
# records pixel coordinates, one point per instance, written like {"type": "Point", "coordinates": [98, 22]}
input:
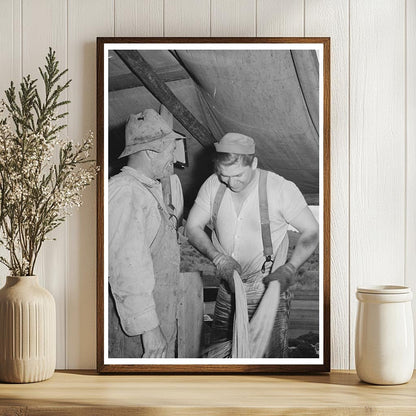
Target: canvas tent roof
{"type": "Point", "coordinates": [270, 95]}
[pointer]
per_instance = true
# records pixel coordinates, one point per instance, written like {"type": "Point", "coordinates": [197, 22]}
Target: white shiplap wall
{"type": "Point", "coordinates": [373, 132]}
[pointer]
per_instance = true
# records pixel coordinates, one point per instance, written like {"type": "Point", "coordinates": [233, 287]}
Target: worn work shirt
{"type": "Point", "coordinates": [239, 236]}
{"type": "Point", "coordinates": [133, 222]}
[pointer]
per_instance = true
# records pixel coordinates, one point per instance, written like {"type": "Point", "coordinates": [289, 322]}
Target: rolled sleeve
{"type": "Point", "coordinates": [130, 264]}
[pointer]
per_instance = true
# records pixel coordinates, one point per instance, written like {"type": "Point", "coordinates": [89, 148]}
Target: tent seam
{"type": "Point", "coordinates": [303, 95]}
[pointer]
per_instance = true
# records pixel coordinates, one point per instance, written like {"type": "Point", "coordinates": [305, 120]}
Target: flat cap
{"type": "Point", "coordinates": [235, 143]}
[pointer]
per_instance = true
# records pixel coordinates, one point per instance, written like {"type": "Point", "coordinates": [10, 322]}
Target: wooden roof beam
{"type": "Point", "coordinates": [139, 67]}
{"type": "Point", "coordinates": [126, 81]}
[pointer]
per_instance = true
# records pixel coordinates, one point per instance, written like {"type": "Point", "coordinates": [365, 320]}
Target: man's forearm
{"type": "Point", "coordinates": [305, 246]}
{"type": "Point", "coordinates": [199, 239]}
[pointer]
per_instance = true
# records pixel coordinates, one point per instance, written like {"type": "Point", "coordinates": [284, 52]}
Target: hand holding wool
{"type": "Point", "coordinates": [226, 266]}
{"type": "Point", "coordinates": [285, 275]}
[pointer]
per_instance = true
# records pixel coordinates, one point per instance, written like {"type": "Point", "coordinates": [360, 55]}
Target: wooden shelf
{"type": "Point", "coordinates": [86, 393]}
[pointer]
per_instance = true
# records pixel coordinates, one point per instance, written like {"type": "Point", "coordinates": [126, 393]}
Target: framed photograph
{"type": "Point", "coordinates": [213, 205]}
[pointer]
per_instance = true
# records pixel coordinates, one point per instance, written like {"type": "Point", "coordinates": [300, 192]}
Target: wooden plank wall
{"type": "Point", "coordinates": [377, 145]}
{"type": "Point", "coordinates": [373, 130]}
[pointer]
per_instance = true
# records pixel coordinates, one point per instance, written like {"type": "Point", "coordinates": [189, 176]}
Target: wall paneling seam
{"type": "Point", "coordinates": [210, 18]}
{"type": "Point", "coordinates": [67, 231]}
{"type": "Point", "coordinates": [21, 39]}
{"type": "Point", "coordinates": [304, 18]}
{"type": "Point", "coordinates": [349, 186]}
{"type": "Point", "coordinates": [405, 144]}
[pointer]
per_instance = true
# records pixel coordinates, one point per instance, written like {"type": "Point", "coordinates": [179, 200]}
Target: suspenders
{"type": "Point", "coordinates": [264, 216]}
{"type": "Point", "coordinates": [266, 234]}
{"type": "Point", "coordinates": [217, 202]}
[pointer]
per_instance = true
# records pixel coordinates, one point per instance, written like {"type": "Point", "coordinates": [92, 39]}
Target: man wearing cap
{"type": "Point", "coordinates": [250, 211]}
{"type": "Point", "coordinates": [143, 249]}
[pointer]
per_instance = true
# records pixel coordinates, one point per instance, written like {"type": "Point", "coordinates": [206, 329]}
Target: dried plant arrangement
{"type": "Point", "coordinates": [42, 175]}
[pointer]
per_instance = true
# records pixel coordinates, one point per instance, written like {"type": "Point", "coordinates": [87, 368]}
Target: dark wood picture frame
{"type": "Point", "coordinates": [226, 367]}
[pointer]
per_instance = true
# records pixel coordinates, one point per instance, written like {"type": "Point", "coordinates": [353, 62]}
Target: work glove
{"type": "Point", "coordinates": [225, 269]}
{"type": "Point", "coordinates": [285, 275]}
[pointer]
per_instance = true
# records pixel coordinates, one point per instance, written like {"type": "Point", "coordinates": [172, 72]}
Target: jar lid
{"type": "Point", "coordinates": [384, 289]}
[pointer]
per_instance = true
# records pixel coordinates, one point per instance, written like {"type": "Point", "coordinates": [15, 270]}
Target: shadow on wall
{"type": "Point", "coordinates": [192, 177]}
{"type": "Point", "coordinates": [115, 147]}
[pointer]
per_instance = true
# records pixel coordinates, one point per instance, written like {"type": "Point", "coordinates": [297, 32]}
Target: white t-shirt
{"type": "Point", "coordinates": [239, 236]}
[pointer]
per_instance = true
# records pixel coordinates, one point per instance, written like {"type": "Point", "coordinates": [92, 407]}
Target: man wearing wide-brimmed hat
{"type": "Point", "coordinates": [249, 210]}
{"type": "Point", "coordinates": [143, 249]}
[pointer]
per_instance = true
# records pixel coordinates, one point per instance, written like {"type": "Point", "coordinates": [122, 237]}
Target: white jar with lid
{"type": "Point", "coordinates": [384, 337]}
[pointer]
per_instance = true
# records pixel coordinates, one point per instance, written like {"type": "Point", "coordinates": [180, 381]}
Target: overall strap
{"type": "Point", "coordinates": [164, 218]}
{"type": "Point", "coordinates": [266, 235]}
{"type": "Point", "coordinates": [217, 202]}
{"type": "Point", "coordinates": [168, 199]}
{"type": "Point", "coordinates": [167, 194]}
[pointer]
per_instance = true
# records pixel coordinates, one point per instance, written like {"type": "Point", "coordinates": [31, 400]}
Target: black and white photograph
{"type": "Point", "coordinates": [213, 242]}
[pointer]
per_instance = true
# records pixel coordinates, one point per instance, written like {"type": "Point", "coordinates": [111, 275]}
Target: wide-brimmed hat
{"type": "Point", "coordinates": [235, 143]}
{"type": "Point", "coordinates": [147, 131]}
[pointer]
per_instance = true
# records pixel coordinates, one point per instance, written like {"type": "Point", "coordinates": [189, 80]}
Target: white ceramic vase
{"type": "Point", "coordinates": [27, 331]}
{"type": "Point", "coordinates": [384, 341]}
